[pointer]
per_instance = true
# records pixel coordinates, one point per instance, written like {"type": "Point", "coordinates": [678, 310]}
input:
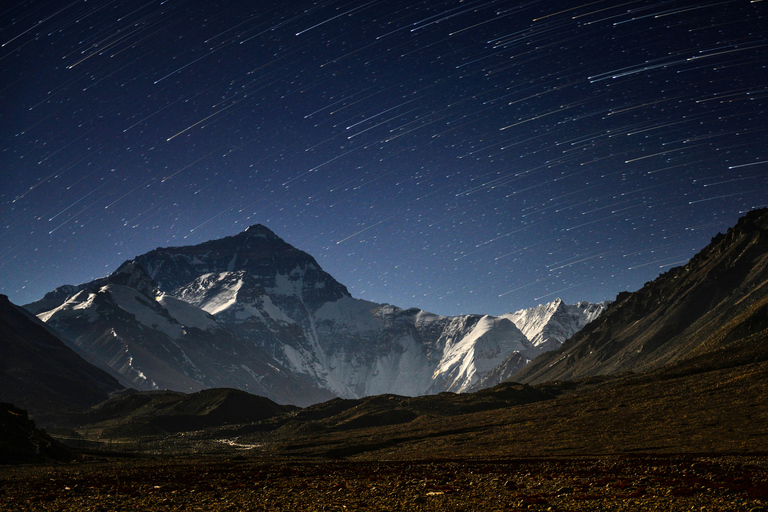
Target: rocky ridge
{"type": "Point", "coordinates": [710, 312]}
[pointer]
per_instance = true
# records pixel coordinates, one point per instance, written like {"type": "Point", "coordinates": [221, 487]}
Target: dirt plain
{"type": "Point", "coordinates": [241, 483]}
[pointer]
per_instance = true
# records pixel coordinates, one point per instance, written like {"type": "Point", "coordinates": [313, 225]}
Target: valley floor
{"type": "Point", "coordinates": [628, 482]}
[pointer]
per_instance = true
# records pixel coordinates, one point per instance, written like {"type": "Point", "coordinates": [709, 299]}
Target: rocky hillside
{"type": "Point", "coordinates": [42, 375]}
{"type": "Point", "coordinates": [711, 312]}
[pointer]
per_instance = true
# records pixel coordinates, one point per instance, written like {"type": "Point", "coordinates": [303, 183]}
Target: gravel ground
{"type": "Point", "coordinates": [632, 483]}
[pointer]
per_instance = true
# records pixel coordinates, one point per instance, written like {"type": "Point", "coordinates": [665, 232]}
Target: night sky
{"type": "Point", "coordinates": [458, 156]}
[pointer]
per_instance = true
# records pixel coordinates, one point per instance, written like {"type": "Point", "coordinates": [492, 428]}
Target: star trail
{"type": "Point", "coordinates": [457, 156]}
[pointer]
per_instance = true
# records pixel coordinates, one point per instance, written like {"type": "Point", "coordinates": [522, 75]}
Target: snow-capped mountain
{"type": "Point", "coordinates": [152, 340]}
{"type": "Point", "coordinates": [252, 312]}
{"type": "Point", "coordinates": [546, 327]}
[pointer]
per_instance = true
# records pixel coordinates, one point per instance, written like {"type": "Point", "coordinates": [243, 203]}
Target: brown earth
{"type": "Point", "coordinates": [636, 483]}
{"type": "Point", "coordinates": [723, 411]}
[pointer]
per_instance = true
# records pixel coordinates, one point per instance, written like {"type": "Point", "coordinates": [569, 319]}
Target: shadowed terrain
{"type": "Point", "coordinates": [22, 442]}
{"type": "Point", "coordinates": [717, 411]}
{"type": "Point", "coordinates": [41, 373]}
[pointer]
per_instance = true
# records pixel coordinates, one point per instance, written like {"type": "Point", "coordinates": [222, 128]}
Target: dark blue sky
{"type": "Point", "coordinates": [461, 157]}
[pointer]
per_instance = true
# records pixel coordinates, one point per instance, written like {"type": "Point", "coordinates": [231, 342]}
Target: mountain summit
{"type": "Point", "coordinates": [252, 312]}
{"type": "Point", "coordinates": [257, 252]}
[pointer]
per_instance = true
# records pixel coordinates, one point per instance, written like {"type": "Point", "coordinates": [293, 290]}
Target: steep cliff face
{"type": "Point", "coordinates": [716, 304]}
{"type": "Point", "coordinates": [254, 313]}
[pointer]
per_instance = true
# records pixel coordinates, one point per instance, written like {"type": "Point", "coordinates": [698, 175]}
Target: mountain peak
{"type": "Point", "coordinates": [259, 230]}
{"type": "Point", "coordinates": [271, 262]}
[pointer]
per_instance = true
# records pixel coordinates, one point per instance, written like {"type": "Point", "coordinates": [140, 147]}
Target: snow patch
{"type": "Point", "coordinates": [291, 284]}
{"type": "Point", "coordinates": [186, 314]}
{"type": "Point", "coordinates": [484, 348]}
{"type": "Point", "coordinates": [352, 313]}
{"type": "Point", "coordinates": [258, 378]}
{"type": "Point", "coordinates": [82, 303]}
{"type": "Point", "coordinates": [140, 307]}
{"type": "Point", "coordinates": [224, 300]}
{"type": "Point", "coordinates": [273, 311]}
{"type": "Point", "coordinates": [294, 359]}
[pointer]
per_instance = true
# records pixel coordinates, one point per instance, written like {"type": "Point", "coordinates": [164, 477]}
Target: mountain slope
{"type": "Point", "coordinates": [716, 305]}
{"type": "Point", "coordinates": [42, 375]}
{"type": "Point", "coordinates": [546, 326]}
{"type": "Point", "coordinates": [155, 341]}
{"type": "Point", "coordinates": [252, 312]}
{"type": "Point", "coordinates": [162, 412]}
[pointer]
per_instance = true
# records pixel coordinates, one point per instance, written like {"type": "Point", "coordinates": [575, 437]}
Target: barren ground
{"type": "Point", "coordinates": [632, 483]}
